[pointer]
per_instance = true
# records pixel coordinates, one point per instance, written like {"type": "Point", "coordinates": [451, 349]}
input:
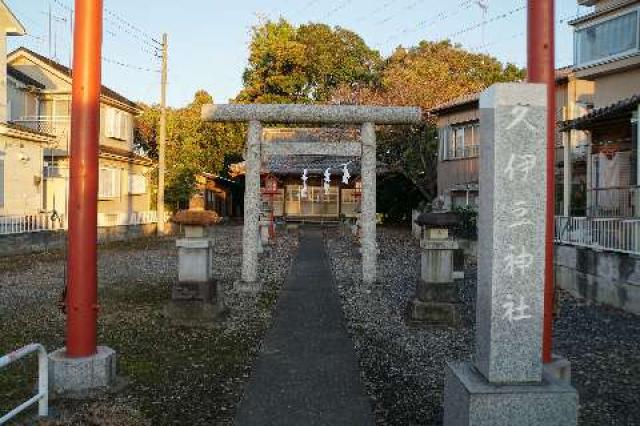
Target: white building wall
{"type": "Point", "coordinates": [23, 183]}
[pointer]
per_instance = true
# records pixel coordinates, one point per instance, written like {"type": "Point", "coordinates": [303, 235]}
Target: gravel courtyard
{"type": "Point", "coordinates": [173, 375]}
{"type": "Point", "coordinates": [403, 367]}
{"type": "Point", "coordinates": [177, 375]}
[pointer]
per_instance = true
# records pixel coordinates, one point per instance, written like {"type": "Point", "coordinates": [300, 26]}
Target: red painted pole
{"type": "Point", "coordinates": [541, 69]}
{"type": "Point", "coordinates": [82, 294]}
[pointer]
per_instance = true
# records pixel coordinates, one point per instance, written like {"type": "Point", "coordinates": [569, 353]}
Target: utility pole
{"type": "Point", "coordinates": [541, 69]}
{"type": "Point", "coordinates": [162, 141]}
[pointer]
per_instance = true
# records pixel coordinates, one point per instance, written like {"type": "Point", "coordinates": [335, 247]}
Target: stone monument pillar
{"type": "Point", "coordinates": [368, 211]}
{"type": "Point", "coordinates": [250, 233]}
{"type": "Point", "coordinates": [504, 385]}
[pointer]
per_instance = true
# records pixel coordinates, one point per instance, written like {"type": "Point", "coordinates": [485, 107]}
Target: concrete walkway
{"type": "Point", "coordinates": [307, 372]}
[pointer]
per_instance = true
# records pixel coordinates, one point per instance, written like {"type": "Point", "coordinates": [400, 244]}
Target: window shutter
{"type": "Point", "coordinates": [117, 129]}
{"type": "Point", "coordinates": [120, 124]}
{"type": "Point", "coordinates": [137, 184]}
{"type": "Point", "coordinates": [109, 126]}
{"type": "Point", "coordinates": [102, 183]}
{"type": "Point", "coordinates": [116, 182]}
{"type": "Point", "coordinates": [125, 126]}
{"type": "Point", "coordinates": [109, 183]}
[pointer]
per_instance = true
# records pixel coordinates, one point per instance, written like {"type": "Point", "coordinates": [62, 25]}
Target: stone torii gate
{"type": "Point", "coordinates": [257, 152]}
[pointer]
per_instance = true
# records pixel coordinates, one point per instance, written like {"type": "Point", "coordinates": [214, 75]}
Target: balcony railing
{"type": "Point", "coordinates": [617, 235]}
{"type": "Point", "coordinates": [618, 202]}
{"type": "Point", "coordinates": [49, 124]}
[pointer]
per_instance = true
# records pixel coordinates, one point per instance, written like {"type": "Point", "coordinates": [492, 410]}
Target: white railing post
{"type": "Point", "coordinates": [42, 398]}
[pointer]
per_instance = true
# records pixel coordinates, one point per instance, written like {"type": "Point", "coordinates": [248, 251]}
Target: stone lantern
{"type": "Point", "coordinates": [195, 297]}
{"type": "Point", "coordinates": [357, 193]}
{"type": "Point", "coordinates": [436, 299]}
{"type": "Point", "coordinates": [267, 226]}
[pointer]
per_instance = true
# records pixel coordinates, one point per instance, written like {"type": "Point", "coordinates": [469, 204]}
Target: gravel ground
{"type": "Point", "coordinates": [403, 367]}
{"type": "Point", "coordinates": [171, 374]}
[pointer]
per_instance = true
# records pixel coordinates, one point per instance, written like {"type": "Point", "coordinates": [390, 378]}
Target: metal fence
{"type": "Point", "coordinates": [31, 223]}
{"type": "Point", "coordinates": [42, 397]}
{"type": "Point", "coordinates": [51, 222]}
{"type": "Point", "coordinates": [611, 234]}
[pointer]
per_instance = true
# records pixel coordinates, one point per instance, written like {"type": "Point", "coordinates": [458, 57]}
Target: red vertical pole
{"type": "Point", "coordinates": [82, 295]}
{"type": "Point", "coordinates": [541, 69]}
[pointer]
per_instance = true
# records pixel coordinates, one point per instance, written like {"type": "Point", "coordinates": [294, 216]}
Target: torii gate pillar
{"type": "Point", "coordinates": [368, 210]}
{"type": "Point", "coordinates": [251, 209]}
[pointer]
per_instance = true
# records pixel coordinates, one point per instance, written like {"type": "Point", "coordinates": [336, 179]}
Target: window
{"type": "Point", "coordinates": [109, 183]}
{"type": "Point", "coordinates": [117, 126]}
{"type": "Point", "coordinates": [606, 39]}
{"type": "Point", "coordinates": [460, 141]}
{"type": "Point", "coordinates": [137, 184]}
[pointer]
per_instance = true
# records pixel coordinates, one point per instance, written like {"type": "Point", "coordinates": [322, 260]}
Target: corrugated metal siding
{"type": "Point", "coordinates": [457, 172]}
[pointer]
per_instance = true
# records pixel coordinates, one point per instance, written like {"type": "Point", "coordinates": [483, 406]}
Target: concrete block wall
{"type": "Point", "coordinates": [37, 242]}
{"type": "Point", "coordinates": [599, 276]}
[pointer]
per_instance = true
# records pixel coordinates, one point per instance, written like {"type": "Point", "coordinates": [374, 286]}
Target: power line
{"type": "Point", "coordinates": [374, 12]}
{"type": "Point", "coordinates": [410, 6]}
{"type": "Point", "coordinates": [130, 66]}
{"type": "Point", "coordinates": [486, 21]}
{"type": "Point", "coordinates": [123, 26]}
{"type": "Point", "coordinates": [519, 34]}
{"type": "Point", "coordinates": [307, 6]}
{"type": "Point", "coordinates": [442, 16]}
{"type": "Point", "coordinates": [337, 9]}
{"type": "Point", "coordinates": [133, 27]}
{"type": "Point", "coordinates": [483, 46]}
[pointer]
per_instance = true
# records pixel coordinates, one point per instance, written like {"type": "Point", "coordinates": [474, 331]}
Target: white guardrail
{"type": "Point", "coordinates": [49, 222]}
{"type": "Point", "coordinates": [42, 398]}
{"type": "Point", "coordinates": [611, 234]}
{"type": "Point", "coordinates": [30, 223]}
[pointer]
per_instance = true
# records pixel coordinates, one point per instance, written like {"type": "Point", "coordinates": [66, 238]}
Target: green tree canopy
{"type": "Point", "coordinates": [429, 74]}
{"type": "Point", "coordinates": [425, 75]}
{"type": "Point", "coordinates": [193, 146]}
{"type": "Point", "coordinates": [304, 64]}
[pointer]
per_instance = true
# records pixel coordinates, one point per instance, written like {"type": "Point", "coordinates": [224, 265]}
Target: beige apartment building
{"type": "Point", "coordinates": [45, 106]}
{"type": "Point", "coordinates": [21, 149]}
